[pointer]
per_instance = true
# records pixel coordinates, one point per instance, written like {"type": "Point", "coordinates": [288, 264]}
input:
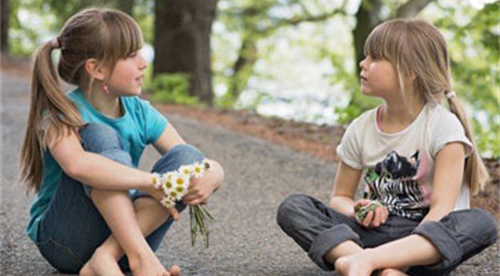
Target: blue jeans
{"type": "Point", "coordinates": [318, 228]}
{"type": "Point", "coordinates": [72, 228]}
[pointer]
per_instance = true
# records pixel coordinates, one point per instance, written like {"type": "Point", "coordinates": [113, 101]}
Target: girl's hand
{"type": "Point", "coordinates": [200, 190]}
{"type": "Point", "coordinates": [374, 218]}
{"type": "Point", "coordinates": [159, 195]}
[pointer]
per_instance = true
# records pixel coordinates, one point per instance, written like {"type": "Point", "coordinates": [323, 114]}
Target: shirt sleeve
{"type": "Point", "coordinates": [349, 150]}
{"type": "Point", "coordinates": [154, 122]}
{"type": "Point", "coordinates": [448, 129]}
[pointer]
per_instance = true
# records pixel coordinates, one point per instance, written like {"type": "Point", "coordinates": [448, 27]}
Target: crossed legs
{"type": "Point", "coordinates": [129, 223]}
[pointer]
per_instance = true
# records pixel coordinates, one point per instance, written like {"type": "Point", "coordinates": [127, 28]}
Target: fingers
{"type": "Point", "coordinates": [195, 196]}
{"type": "Point", "coordinates": [173, 212]}
{"type": "Point", "coordinates": [378, 217]}
{"type": "Point", "coordinates": [368, 220]}
{"type": "Point", "coordinates": [195, 201]}
{"type": "Point", "coordinates": [192, 197]}
{"type": "Point", "coordinates": [362, 202]}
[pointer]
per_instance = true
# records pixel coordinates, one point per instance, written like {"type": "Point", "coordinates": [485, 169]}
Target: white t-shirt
{"type": "Point", "coordinates": [398, 168]}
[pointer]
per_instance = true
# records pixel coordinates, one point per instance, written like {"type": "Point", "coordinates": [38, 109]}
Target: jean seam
{"type": "Point", "coordinates": [67, 249]}
{"type": "Point", "coordinates": [474, 239]}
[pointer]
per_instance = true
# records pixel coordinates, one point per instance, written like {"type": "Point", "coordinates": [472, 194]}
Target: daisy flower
{"type": "Point", "coordinates": [186, 170]}
{"type": "Point", "coordinates": [168, 186]}
{"type": "Point", "coordinates": [198, 170]}
{"type": "Point", "coordinates": [157, 180]}
{"type": "Point", "coordinates": [175, 185]}
{"type": "Point", "coordinates": [167, 202]}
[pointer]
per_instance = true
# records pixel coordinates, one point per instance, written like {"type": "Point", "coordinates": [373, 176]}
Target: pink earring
{"type": "Point", "coordinates": [105, 88]}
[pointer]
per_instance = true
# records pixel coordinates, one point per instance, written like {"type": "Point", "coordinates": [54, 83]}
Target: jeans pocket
{"type": "Point", "coordinates": [59, 256]}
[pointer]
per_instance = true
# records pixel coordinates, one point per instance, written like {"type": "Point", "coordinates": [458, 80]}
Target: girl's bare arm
{"type": "Point", "coordinates": [95, 170]}
{"type": "Point", "coordinates": [448, 178]}
{"type": "Point", "coordinates": [168, 139]}
{"type": "Point", "coordinates": [344, 189]}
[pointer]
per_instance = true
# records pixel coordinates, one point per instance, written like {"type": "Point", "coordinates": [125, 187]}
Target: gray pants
{"type": "Point", "coordinates": [318, 228]}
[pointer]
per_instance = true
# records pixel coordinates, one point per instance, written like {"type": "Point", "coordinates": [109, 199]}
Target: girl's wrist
{"type": "Point", "coordinates": [151, 182]}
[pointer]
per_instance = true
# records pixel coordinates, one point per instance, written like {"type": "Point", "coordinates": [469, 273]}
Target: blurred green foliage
{"type": "Point", "coordinates": [473, 38]}
{"type": "Point", "coordinates": [172, 88]}
{"type": "Point", "coordinates": [475, 54]}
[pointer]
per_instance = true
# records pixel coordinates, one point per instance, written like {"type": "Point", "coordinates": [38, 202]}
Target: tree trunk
{"type": "Point", "coordinates": [5, 16]}
{"type": "Point", "coordinates": [127, 6]}
{"type": "Point", "coordinates": [367, 18]}
{"type": "Point", "coordinates": [243, 67]}
{"type": "Point", "coordinates": [182, 42]}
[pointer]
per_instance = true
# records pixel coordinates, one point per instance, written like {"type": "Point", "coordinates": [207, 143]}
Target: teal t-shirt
{"type": "Point", "coordinates": [140, 126]}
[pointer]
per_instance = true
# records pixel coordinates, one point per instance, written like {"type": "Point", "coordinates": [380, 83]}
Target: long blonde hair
{"type": "Point", "coordinates": [103, 34]}
{"type": "Point", "coordinates": [418, 51]}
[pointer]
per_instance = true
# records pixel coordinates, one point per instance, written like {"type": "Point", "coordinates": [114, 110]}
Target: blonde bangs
{"type": "Point", "coordinates": [125, 35]}
{"type": "Point", "coordinates": [385, 41]}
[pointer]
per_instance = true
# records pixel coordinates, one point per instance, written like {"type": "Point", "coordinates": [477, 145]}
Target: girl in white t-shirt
{"type": "Point", "coordinates": [418, 161]}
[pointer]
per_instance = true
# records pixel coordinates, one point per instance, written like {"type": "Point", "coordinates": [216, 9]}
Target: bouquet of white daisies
{"type": "Point", "coordinates": [175, 185]}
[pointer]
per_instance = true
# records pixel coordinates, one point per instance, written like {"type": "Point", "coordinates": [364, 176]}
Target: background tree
{"type": "Point", "coordinates": [182, 32]}
{"type": "Point", "coordinates": [246, 32]}
{"type": "Point", "coordinates": [4, 26]}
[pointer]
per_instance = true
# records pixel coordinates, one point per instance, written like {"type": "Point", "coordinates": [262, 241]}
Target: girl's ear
{"type": "Point", "coordinates": [413, 76]}
{"type": "Point", "coordinates": [94, 70]}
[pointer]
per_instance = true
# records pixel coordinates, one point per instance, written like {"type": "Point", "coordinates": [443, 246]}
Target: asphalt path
{"type": "Point", "coordinates": [245, 239]}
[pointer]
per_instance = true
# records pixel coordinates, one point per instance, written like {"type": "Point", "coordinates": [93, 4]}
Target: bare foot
{"type": "Point", "coordinates": [101, 264]}
{"type": "Point", "coordinates": [354, 265]}
{"type": "Point", "coordinates": [151, 266]}
{"type": "Point", "coordinates": [175, 270]}
{"type": "Point", "coordinates": [392, 272]}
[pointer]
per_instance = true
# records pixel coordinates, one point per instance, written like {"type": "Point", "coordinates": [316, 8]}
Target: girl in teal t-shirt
{"type": "Point", "coordinates": [95, 213]}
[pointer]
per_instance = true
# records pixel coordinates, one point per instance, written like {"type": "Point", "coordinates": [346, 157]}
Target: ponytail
{"type": "Point", "coordinates": [476, 173]}
{"type": "Point", "coordinates": [103, 34]}
{"type": "Point", "coordinates": [51, 116]}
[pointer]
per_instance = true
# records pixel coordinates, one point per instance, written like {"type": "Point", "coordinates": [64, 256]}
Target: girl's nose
{"type": "Point", "coordinates": [142, 62]}
{"type": "Point", "coordinates": [362, 64]}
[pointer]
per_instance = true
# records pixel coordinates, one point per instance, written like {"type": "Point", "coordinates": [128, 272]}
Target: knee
{"type": "Point", "coordinates": [477, 224]}
{"type": "Point", "coordinates": [99, 137]}
{"type": "Point", "coordinates": [186, 154]}
{"type": "Point", "coordinates": [288, 207]}
{"type": "Point", "coordinates": [177, 156]}
{"type": "Point", "coordinates": [486, 225]}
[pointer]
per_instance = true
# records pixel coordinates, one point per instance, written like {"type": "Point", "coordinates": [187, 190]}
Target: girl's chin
{"type": "Point", "coordinates": [136, 92]}
{"type": "Point", "coordinates": [365, 92]}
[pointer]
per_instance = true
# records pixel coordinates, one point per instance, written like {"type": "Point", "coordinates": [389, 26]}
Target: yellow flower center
{"type": "Point", "coordinates": [180, 189]}
{"type": "Point", "coordinates": [173, 194]}
{"type": "Point", "coordinates": [180, 181]}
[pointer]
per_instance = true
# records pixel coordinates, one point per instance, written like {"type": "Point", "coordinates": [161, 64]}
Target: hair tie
{"type": "Point", "coordinates": [450, 94]}
{"type": "Point", "coordinates": [55, 43]}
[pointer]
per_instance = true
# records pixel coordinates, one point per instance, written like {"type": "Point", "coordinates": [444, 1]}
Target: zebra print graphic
{"type": "Point", "coordinates": [391, 183]}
